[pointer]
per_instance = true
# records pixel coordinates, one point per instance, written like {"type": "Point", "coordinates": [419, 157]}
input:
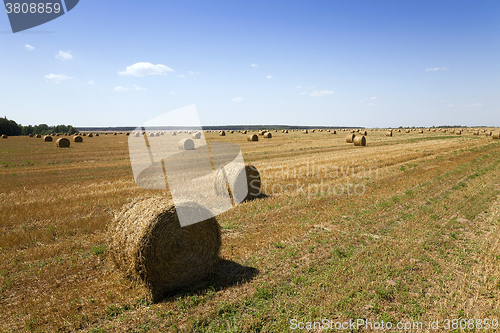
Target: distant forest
{"type": "Point", "coordinates": [11, 128]}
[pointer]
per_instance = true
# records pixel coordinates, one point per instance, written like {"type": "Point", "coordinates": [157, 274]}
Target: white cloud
{"type": "Point", "coordinates": [193, 73]}
{"type": "Point", "coordinates": [237, 99]}
{"type": "Point", "coordinates": [56, 78]}
{"type": "Point", "coordinates": [464, 105]}
{"type": "Point", "coordinates": [146, 68]}
{"type": "Point", "coordinates": [254, 65]}
{"type": "Point", "coordinates": [436, 69]}
{"type": "Point", "coordinates": [303, 93]}
{"type": "Point", "coordinates": [298, 87]}
{"type": "Point", "coordinates": [90, 82]}
{"type": "Point", "coordinates": [29, 47]}
{"type": "Point", "coordinates": [269, 76]}
{"type": "Point", "coordinates": [135, 88]}
{"type": "Point", "coordinates": [321, 93]}
{"type": "Point", "coordinates": [64, 55]}
{"type": "Point", "coordinates": [373, 98]}
{"type": "Point", "coordinates": [368, 101]}
{"type": "Point", "coordinates": [182, 76]}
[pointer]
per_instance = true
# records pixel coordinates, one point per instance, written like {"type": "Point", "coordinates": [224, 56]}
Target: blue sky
{"type": "Point", "coordinates": [323, 63]}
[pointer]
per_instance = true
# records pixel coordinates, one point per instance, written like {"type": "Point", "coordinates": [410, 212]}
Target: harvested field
{"type": "Point", "coordinates": [404, 229]}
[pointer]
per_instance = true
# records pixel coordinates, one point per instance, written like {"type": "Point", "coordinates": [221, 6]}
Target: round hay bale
{"type": "Point", "coordinates": [359, 141]}
{"type": "Point", "coordinates": [388, 133]}
{"type": "Point", "coordinates": [458, 132]}
{"type": "Point", "coordinates": [4, 136]}
{"type": "Point", "coordinates": [31, 135]}
{"type": "Point", "coordinates": [268, 135]}
{"type": "Point", "coordinates": [365, 133]}
{"type": "Point", "coordinates": [47, 138]}
{"type": "Point", "coordinates": [197, 136]}
{"type": "Point", "coordinates": [350, 138]}
{"type": "Point", "coordinates": [90, 135]}
{"type": "Point", "coordinates": [253, 137]}
{"type": "Point", "coordinates": [334, 132]}
{"type": "Point", "coordinates": [186, 144]}
{"type": "Point", "coordinates": [488, 133]}
{"type": "Point", "coordinates": [222, 133]}
{"type": "Point", "coordinates": [149, 244]}
{"type": "Point", "coordinates": [78, 138]}
{"type": "Point", "coordinates": [97, 134]}
{"type": "Point", "coordinates": [84, 134]}
{"type": "Point", "coordinates": [420, 131]}
{"type": "Point", "coordinates": [496, 136]}
{"type": "Point", "coordinates": [407, 131]}
{"type": "Point", "coordinates": [174, 133]}
{"type": "Point", "coordinates": [235, 177]}
{"type": "Point", "coordinates": [305, 131]}
{"type": "Point", "coordinates": [38, 136]}
{"type": "Point", "coordinates": [475, 133]}
{"type": "Point", "coordinates": [62, 143]}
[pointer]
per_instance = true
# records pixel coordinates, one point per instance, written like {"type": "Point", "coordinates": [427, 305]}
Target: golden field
{"type": "Point", "coordinates": [404, 229]}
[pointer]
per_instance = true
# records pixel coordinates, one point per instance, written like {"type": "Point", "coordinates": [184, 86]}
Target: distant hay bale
{"type": "Point", "coordinates": [47, 138]}
{"type": "Point", "coordinates": [77, 139]}
{"type": "Point", "coordinates": [197, 136]}
{"type": "Point", "coordinates": [496, 136]}
{"type": "Point", "coordinates": [334, 132]}
{"type": "Point", "coordinates": [268, 135]}
{"type": "Point", "coordinates": [388, 133]}
{"type": "Point", "coordinates": [475, 133]}
{"type": "Point", "coordinates": [244, 132]}
{"type": "Point", "coordinates": [222, 133]}
{"type": "Point", "coordinates": [359, 141]}
{"type": "Point", "coordinates": [305, 131]}
{"type": "Point", "coordinates": [420, 131]}
{"type": "Point", "coordinates": [186, 144]}
{"type": "Point", "coordinates": [235, 178]}
{"type": "Point", "coordinates": [38, 136]}
{"type": "Point", "coordinates": [458, 132]}
{"type": "Point", "coordinates": [30, 135]}
{"type": "Point", "coordinates": [350, 138]}
{"type": "Point", "coordinates": [97, 134]}
{"type": "Point", "coordinates": [365, 133]}
{"type": "Point", "coordinates": [90, 135]}
{"type": "Point", "coordinates": [488, 133]}
{"type": "Point", "coordinates": [407, 131]}
{"type": "Point", "coordinates": [253, 137]}
{"type": "Point", "coordinates": [147, 243]}
{"type": "Point", "coordinates": [4, 136]}
{"type": "Point", "coordinates": [62, 143]}
{"type": "Point", "coordinates": [174, 133]}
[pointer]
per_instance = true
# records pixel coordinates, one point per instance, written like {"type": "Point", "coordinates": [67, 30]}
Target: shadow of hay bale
{"type": "Point", "coordinates": [226, 274]}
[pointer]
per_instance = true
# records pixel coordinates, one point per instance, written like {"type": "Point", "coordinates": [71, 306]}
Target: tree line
{"type": "Point", "coordinates": [11, 128]}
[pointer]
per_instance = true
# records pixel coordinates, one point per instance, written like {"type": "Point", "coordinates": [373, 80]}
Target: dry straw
{"type": "Point", "coordinates": [186, 144]}
{"type": "Point", "coordinates": [496, 136]}
{"type": "Point", "coordinates": [253, 137]}
{"type": "Point", "coordinates": [197, 136]}
{"type": "Point", "coordinates": [78, 138]}
{"type": "Point", "coordinates": [350, 138]}
{"type": "Point", "coordinates": [359, 141]}
{"type": "Point", "coordinates": [62, 143]}
{"type": "Point", "coordinates": [268, 135]}
{"type": "Point", "coordinates": [4, 136]}
{"type": "Point", "coordinates": [31, 135]}
{"type": "Point", "coordinates": [90, 135]}
{"type": "Point", "coordinates": [234, 176]}
{"type": "Point", "coordinates": [38, 136]}
{"type": "Point", "coordinates": [365, 133]}
{"type": "Point", "coordinates": [148, 244]}
{"type": "Point", "coordinates": [47, 138]}
{"type": "Point", "coordinates": [407, 131]}
{"type": "Point", "coordinates": [305, 132]}
{"type": "Point", "coordinates": [222, 133]}
{"type": "Point", "coordinates": [388, 133]}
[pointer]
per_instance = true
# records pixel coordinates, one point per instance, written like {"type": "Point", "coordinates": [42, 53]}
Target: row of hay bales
{"type": "Point", "coordinates": [358, 141]}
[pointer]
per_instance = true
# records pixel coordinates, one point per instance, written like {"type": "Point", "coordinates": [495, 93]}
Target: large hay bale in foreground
{"type": "Point", "coordinates": [350, 138]}
{"type": "Point", "coordinates": [62, 143]}
{"type": "Point", "coordinates": [186, 144]}
{"type": "Point", "coordinates": [359, 141]}
{"type": "Point", "coordinates": [78, 138]}
{"type": "Point", "coordinates": [149, 244]}
{"type": "Point", "coordinates": [235, 177]}
{"type": "Point", "coordinates": [47, 138]}
{"type": "Point", "coordinates": [496, 136]}
{"type": "Point", "coordinates": [253, 137]}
